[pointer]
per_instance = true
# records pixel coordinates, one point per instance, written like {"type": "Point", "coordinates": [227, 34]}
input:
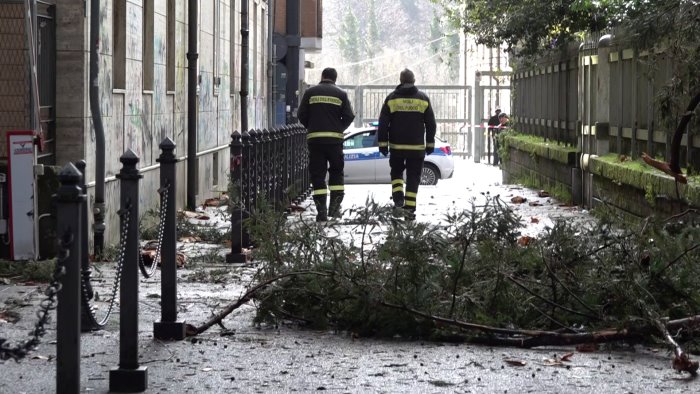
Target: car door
{"type": "Point", "coordinates": [360, 152]}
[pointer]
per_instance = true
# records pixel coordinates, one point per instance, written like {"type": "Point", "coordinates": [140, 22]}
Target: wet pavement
{"type": "Point", "coordinates": [243, 357]}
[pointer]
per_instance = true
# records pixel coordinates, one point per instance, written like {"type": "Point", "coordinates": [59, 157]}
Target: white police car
{"type": "Point", "coordinates": [364, 163]}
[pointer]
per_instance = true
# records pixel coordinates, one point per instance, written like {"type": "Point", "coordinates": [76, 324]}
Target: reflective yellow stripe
{"type": "Point", "coordinates": [411, 194]}
{"type": "Point", "coordinates": [320, 134]}
{"type": "Point", "coordinates": [318, 192]}
{"type": "Point", "coordinates": [325, 100]}
{"type": "Point", "coordinates": [409, 203]}
{"type": "Point", "coordinates": [430, 145]}
{"type": "Point", "coordinates": [383, 144]}
{"type": "Point", "coordinates": [397, 189]}
{"type": "Point", "coordinates": [406, 147]}
{"type": "Point", "coordinates": [336, 187]}
{"type": "Point", "coordinates": [397, 181]}
{"type": "Point", "coordinates": [407, 105]}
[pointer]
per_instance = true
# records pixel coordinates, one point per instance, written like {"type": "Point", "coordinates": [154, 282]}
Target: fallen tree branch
{"type": "Point", "coordinates": [217, 318]}
{"type": "Point", "coordinates": [528, 338]}
{"type": "Point", "coordinates": [681, 361]}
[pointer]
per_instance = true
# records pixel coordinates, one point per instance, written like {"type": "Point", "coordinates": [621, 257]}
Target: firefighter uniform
{"type": "Point", "coordinates": [406, 130]}
{"type": "Point", "coordinates": [326, 112]}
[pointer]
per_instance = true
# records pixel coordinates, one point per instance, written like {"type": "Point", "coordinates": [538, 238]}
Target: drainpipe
{"type": "Point", "coordinates": [270, 65]}
{"type": "Point", "coordinates": [99, 205]}
{"type": "Point", "coordinates": [293, 44]}
{"type": "Point", "coordinates": [244, 65]}
{"type": "Point", "coordinates": [192, 56]}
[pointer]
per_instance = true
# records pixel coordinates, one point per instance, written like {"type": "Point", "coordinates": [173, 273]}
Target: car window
{"type": "Point", "coordinates": [361, 140]}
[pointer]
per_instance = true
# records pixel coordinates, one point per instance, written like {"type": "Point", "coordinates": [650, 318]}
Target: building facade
{"type": "Point", "coordinates": [142, 83]}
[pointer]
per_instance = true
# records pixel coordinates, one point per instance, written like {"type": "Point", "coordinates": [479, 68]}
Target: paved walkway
{"type": "Point", "coordinates": [250, 359]}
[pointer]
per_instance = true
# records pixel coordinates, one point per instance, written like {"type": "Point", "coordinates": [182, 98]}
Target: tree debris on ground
{"type": "Point", "coordinates": [474, 279]}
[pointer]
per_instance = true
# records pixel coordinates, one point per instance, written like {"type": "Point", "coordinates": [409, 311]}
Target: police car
{"type": "Point", "coordinates": [364, 163]}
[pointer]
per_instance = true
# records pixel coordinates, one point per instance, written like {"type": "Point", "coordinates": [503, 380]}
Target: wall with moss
{"type": "Point", "coordinates": [532, 161]}
{"type": "Point", "coordinates": [630, 186]}
{"type": "Point", "coordinates": [634, 187]}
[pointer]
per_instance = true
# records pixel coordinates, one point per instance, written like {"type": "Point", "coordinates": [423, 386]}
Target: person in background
{"type": "Point", "coordinates": [502, 124]}
{"type": "Point", "coordinates": [326, 112]}
{"type": "Point", "coordinates": [406, 130]}
{"type": "Point", "coordinates": [491, 136]}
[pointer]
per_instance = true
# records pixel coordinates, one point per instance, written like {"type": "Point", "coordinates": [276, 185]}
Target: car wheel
{"type": "Point", "coordinates": [430, 175]}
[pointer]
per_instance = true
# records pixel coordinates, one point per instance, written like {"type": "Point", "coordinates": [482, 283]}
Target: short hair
{"type": "Point", "coordinates": [502, 115]}
{"type": "Point", "coordinates": [498, 111]}
{"type": "Point", "coordinates": [407, 76]}
{"type": "Point", "coordinates": [329, 73]}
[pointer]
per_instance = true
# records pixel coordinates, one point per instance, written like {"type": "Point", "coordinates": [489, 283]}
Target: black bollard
{"type": "Point", "coordinates": [236, 201]}
{"type": "Point", "coordinates": [129, 377]}
{"type": "Point", "coordinates": [168, 328]}
{"type": "Point", "coordinates": [69, 200]}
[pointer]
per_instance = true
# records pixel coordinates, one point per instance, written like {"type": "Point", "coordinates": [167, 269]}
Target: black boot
{"type": "Point", "coordinates": [398, 199]}
{"type": "Point", "coordinates": [321, 210]}
{"type": "Point", "coordinates": [334, 207]}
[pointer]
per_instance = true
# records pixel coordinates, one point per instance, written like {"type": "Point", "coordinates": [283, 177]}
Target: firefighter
{"type": "Point", "coordinates": [326, 112]}
{"type": "Point", "coordinates": [407, 130]}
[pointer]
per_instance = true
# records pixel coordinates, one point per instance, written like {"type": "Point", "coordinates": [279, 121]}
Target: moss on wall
{"type": "Point", "coordinates": [650, 182]}
{"type": "Point", "coordinates": [537, 146]}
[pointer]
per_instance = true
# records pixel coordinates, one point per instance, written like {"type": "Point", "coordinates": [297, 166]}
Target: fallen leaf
{"type": "Point", "coordinates": [39, 357]}
{"type": "Point", "coordinates": [518, 200]}
{"type": "Point", "coordinates": [542, 193]}
{"type": "Point", "coordinates": [567, 357]}
{"type": "Point", "coordinates": [534, 204]}
{"type": "Point", "coordinates": [534, 220]}
{"type": "Point", "coordinates": [515, 363]}
{"type": "Point", "coordinates": [525, 240]}
{"type": "Point", "coordinates": [623, 158]}
{"type": "Point", "coordinates": [552, 362]}
{"type": "Point", "coordinates": [202, 217]}
{"type": "Point", "coordinates": [188, 240]}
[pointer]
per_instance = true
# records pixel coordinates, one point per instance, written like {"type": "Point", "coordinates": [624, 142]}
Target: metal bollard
{"type": "Point", "coordinates": [129, 377]}
{"type": "Point", "coordinates": [168, 328]}
{"type": "Point", "coordinates": [86, 323]}
{"type": "Point", "coordinates": [236, 255]}
{"type": "Point", "coordinates": [69, 201]}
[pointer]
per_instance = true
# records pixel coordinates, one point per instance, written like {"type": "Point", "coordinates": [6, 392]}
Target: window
{"type": "Point", "coordinates": [170, 48]}
{"type": "Point", "coordinates": [367, 139]}
{"type": "Point", "coordinates": [148, 44]}
{"type": "Point", "coordinates": [119, 41]}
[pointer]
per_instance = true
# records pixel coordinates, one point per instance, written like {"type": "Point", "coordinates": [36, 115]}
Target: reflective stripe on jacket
{"type": "Point", "coordinates": [407, 122]}
{"type": "Point", "coordinates": [326, 112]}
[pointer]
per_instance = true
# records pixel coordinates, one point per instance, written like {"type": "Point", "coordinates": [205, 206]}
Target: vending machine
{"type": "Point", "coordinates": [21, 191]}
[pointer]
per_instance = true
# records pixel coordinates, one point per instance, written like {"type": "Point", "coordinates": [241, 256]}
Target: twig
{"type": "Point", "coordinates": [216, 319]}
{"type": "Point", "coordinates": [552, 303]}
{"type": "Point", "coordinates": [679, 257]}
{"type": "Point", "coordinates": [580, 301]}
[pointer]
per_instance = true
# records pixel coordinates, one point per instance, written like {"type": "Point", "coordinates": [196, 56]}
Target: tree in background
{"type": "Point", "coordinates": [372, 43]}
{"type": "Point", "coordinates": [445, 45]}
{"type": "Point", "coordinates": [349, 42]}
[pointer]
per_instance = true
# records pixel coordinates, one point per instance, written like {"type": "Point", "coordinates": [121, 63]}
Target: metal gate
{"type": "Point", "coordinates": [451, 105]}
{"type": "Point", "coordinates": [491, 92]}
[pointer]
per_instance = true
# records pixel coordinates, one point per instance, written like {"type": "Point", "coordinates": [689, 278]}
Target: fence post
{"type": "Point", "coordinates": [168, 328]}
{"type": "Point", "coordinates": [129, 377]}
{"type": "Point", "coordinates": [86, 323]}
{"type": "Point", "coordinates": [69, 200]}
{"type": "Point", "coordinates": [254, 169]}
{"type": "Point", "coordinates": [236, 200]}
